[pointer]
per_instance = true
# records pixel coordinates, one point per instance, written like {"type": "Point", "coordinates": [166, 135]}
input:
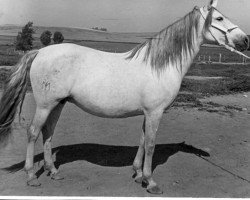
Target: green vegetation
{"type": "Point", "coordinates": [58, 37]}
{"type": "Point", "coordinates": [24, 39]}
{"type": "Point", "coordinates": [46, 38]}
{"type": "Point", "coordinates": [234, 78]}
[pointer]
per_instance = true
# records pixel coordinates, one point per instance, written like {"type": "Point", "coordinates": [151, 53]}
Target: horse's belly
{"type": "Point", "coordinates": [106, 109]}
{"type": "Point", "coordinates": [107, 101]}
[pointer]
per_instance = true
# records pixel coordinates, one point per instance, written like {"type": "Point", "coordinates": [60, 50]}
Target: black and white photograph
{"type": "Point", "coordinates": [114, 98]}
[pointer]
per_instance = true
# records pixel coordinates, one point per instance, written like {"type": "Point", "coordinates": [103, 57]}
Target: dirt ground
{"type": "Point", "coordinates": [95, 155]}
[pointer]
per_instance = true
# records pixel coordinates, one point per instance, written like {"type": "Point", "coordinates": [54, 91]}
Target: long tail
{"type": "Point", "coordinates": [13, 94]}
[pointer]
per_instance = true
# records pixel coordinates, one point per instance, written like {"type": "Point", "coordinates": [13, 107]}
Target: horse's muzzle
{"type": "Point", "coordinates": [243, 44]}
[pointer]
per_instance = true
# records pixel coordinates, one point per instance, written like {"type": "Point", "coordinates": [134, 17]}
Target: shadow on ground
{"type": "Point", "coordinates": [109, 155]}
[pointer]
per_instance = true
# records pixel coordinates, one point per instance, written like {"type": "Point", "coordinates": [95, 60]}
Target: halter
{"type": "Point", "coordinates": [226, 31]}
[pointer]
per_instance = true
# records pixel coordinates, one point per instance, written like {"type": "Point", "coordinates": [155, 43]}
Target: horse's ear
{"type": "Point", "coordinates": [206, 9]}
{"type": "Point", "coordinates": [213, 3]}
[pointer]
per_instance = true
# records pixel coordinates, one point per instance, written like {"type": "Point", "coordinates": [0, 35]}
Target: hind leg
{"type": "Point", "coordinates": [138, 161]}
{"type": "Point", "coordinates": [39, 120]}
{"type": "Point", "coordinates": [47, 131]}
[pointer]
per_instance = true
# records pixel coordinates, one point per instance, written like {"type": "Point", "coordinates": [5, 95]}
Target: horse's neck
{"type": "Point", "coordinates": [162, 53]}
{"type": "Point", "coordinates": [199, 40]}
{"type": "Point", "coordinates": [181, 67]}
{"type": "Point", "coordinates": [188, 60]}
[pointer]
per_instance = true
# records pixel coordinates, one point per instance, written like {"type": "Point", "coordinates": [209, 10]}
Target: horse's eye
{"type": "Point", "coordinates": [219, 19]}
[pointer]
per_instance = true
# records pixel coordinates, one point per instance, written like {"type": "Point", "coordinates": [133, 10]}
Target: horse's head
{"type": "Point", "coordinates": [218, 29]}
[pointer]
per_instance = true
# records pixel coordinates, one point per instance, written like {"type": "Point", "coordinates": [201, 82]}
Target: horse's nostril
{"type": "Point", "coordinates": [246, 40]}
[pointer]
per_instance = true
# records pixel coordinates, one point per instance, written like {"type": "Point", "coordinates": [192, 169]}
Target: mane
{"type": "Point", "coordinates": [171, 44]}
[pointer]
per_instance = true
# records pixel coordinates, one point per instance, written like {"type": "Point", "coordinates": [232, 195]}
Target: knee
{"type": "Point", "coordinates": [32, 134]}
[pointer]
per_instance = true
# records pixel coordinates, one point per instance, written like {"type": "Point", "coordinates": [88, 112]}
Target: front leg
{"type": "Point", "coordinates": [151, 125]}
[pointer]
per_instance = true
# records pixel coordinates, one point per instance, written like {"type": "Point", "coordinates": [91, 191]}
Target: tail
{"type": "Point", "coordinates": [13, 94]}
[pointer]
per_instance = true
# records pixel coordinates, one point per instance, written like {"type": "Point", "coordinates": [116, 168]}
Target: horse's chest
{"type": "Point", "coordinates": [161, 93]}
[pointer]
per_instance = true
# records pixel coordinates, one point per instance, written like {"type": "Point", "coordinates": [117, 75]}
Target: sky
{"type": "Point", "coordinates": [115, 15]}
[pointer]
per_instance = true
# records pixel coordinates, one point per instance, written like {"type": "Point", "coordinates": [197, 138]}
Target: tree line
{"type": "Point", "coordinates": [24, 39]}
{"type": "Point", "coordinates": [99, 29]}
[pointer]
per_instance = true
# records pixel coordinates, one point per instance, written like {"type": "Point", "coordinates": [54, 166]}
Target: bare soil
{"type": "Point", "coordinates": [95, 155]}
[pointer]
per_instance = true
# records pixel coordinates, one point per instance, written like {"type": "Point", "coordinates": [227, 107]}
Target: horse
{"type": "Point", "coordinates": [143, 81]}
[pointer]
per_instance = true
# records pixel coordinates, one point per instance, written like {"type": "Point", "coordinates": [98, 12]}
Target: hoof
{"type": "Point", "coordinates": [33, 182]}
{"type": "Point", "coordinates": [56, 177]}
{"type": "Point", "coordinates": [154, 190]}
